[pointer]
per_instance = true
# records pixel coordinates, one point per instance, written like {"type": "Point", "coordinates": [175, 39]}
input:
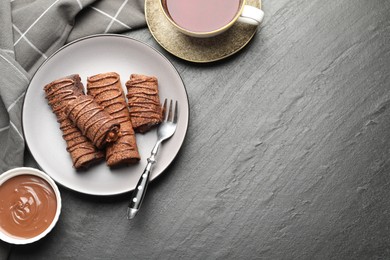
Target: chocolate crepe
{"type": "Point", "coordinates": [144, 102]}
{"type": "Point", "coordinates": [107, 91]}
{"type": "Point", "coordinates": [93, 121]}
{"type": "Point", "coordinates": [58, 94]}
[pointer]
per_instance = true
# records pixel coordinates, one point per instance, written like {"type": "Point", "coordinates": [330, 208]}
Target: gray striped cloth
{"type": "Point", "coordinates": [30, 31]}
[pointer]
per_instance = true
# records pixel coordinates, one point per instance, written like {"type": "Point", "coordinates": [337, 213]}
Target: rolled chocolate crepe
{"type": "Point", "coordinates": [107, 91]}
{"type": "Point", "coordinates": [58, 94]}
{"type": "Point", "coordinates": [93, 121]}
{"type": "Point", "coordinates": [144, 102]}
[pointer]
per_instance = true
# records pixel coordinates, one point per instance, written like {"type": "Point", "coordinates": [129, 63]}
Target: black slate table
{"type": "Point", "coordinates": [287, 154]}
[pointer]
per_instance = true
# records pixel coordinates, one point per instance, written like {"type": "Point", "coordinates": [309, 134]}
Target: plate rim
{"type": "Point", "coordinates": [108, 35]}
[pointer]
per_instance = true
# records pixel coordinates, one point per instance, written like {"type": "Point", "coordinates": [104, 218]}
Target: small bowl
{"type": "Point", "coordinates": [31, 171]}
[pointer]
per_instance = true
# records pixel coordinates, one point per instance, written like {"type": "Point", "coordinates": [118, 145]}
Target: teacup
{"type": "Point", "coordinates": [207, 18]}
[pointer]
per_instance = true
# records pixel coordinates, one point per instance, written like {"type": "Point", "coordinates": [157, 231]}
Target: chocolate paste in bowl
{"type": "Point", "coordinates": [27, 206]}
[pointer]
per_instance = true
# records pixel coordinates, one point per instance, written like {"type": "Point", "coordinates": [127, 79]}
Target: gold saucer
{"type": "Point", "coordinates": [199, 50]}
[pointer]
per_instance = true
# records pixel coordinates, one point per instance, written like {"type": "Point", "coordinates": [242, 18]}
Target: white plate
{"type": "Point", "coordinates": [87, 57]}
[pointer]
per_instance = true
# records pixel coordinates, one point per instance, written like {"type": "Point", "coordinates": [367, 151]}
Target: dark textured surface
{"type": "Point", "coordinates": [287, 154]}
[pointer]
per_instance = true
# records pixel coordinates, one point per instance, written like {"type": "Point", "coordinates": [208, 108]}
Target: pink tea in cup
{"type": "Point", "coordinates": [202, 15]}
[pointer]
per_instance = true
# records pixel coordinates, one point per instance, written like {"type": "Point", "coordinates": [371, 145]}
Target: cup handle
{"type": "Point", "coordinates": [251, 15]}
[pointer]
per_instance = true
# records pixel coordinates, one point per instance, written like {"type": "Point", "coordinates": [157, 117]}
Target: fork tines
{"type": "Point", "coordinates": [172, 114]}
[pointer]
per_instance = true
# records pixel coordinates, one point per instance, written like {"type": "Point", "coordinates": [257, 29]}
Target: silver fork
{"type": "Point", "coordinates": [165, 130]}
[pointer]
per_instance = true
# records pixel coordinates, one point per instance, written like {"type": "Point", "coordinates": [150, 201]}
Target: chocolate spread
{"type": "Point", "coordinates": [27, 206]}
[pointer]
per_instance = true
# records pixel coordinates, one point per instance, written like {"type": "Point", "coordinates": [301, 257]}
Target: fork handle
{"type": "Point", "coordinates": [140, 190]}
